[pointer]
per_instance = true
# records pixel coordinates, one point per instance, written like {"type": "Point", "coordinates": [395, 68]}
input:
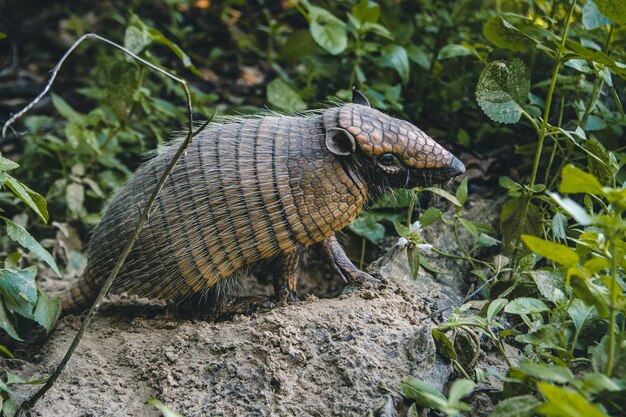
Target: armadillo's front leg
{"type": "Point", "coordinates": [337, 258]}
{"type": "Point", "coordinates": [285, 274]}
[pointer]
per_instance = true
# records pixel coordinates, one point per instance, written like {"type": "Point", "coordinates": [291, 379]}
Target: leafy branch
{"type": "Point", "coordinates": [144, 213]}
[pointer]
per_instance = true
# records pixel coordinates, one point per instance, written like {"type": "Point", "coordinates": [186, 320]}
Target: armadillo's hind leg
{"type": "Point", "coordinates": [339, 261]}
{"type": "Point", "coordinates": [285, 275]}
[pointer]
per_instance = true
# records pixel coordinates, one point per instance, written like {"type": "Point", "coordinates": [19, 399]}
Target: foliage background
{"type": "Point", "coordinates": [463, 71]}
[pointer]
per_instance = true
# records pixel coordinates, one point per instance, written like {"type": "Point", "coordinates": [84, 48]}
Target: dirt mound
{"type": "Point", "coordinates": [340, 356]}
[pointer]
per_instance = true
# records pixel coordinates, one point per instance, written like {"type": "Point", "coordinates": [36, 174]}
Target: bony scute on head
{"type": "Point", "coordinates": [392, 152]}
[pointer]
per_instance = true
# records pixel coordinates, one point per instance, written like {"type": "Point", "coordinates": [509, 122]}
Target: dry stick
{"type": "Point", "coordinates": [144, 213]}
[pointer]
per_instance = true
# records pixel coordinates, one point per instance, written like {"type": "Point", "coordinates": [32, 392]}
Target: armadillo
{"type": "Point", "coordinates": [256, 191]}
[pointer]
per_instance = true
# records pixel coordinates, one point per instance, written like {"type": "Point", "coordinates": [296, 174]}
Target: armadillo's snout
{"type": "Point", "coordinates": [455, 168]}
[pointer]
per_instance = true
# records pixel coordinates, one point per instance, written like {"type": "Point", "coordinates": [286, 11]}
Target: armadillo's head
{"type": "Point", "coordinates": [390, 152]}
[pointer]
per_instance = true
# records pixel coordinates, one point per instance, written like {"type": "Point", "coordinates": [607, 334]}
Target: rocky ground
{"type": "Point", "coordinates": [342, 356]}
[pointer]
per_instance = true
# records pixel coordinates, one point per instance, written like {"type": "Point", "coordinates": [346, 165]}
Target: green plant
{"type": "Point", "coordinates": [22, 302]}
{"type": "Point", "coordinates": [8, 406]}
{"type": "Point", "coordinates": [561, 298]}
{"type": "Point", "coordinates": [88, 154]}
{"type": "Point", "coordinates": [19, 294]}
{"type": "Point", "coordinates": [428, 397]}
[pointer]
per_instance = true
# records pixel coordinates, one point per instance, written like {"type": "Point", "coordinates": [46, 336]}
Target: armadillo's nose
{"type": "Point", "coordinates": [456, 167]}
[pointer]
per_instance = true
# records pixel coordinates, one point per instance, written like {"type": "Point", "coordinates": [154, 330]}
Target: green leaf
{"type": "Point", "coordinates": [419, 56]}
{"type": "Point", "coordinates": [444, 194]}
{"type": "Point", "coordinates": [521, 406]}
{"type": "Point", "coordinates": [444, 345]}
{"type": "Point", "coordinates": [495, 307]}
{"type": "Point", "coordinates": [298, 45]}
{"type": "Point", "coordinates": [7, 323]}
{"type": "Point", "coordinates": [503, 89]}
{"type": "Point", "coordinates": [138, 36]}
{"type": "Point", "coordinates": [510, 220]}
{"type": "Point", "coordinates": [366, 11]}
{"type": "Point", "coordinates": [559, 224]}
{"type": "Point", "coordinates": [6, 351]}
{"type": "Point", "coordinates": [7, 164]}
{"type": "Point", "coordinates": [547, 337]}
{"type": "Point", "coordinates": [32, 199]}
{"type": "Point", "coordinates": [551, 285]}
{"type": "Point", "coordinates": [580, 313]}
{"type": "Point", "coordinates": [18, 286]}
{"type": "Point", "coordinates": [402, 229]}
{"type": "Point", "coordinates": [556, 252]}
{"type": "Point", "coordinates": [526, 305]}
{"type": "Point", "coordinates": [368, 227]}
{"type": "Point", "coordinates": [459, 389]}
{"type": "Point", "coordinates": [592, 18]}
{"type": "Point", "coordinates": [47, 310]}
{"type": "Point", "coordinates": [422, 393]}
{"type": "Point", "coordinates": [65, 109]}
{"type": "Point", "coordinates": [600, 354]}
{"type": "Point", "coordinates": [75, 197]}
{"type": "Point", "coordinates": [509, 184]}
{"type": "Point", "coordinates": [461, 191]}
{"type": "Point", "coordinates": [503, 34]}
{"type": "Point", "coordinates": [159, 38]}
{"type": "Point", "coordinates": [469, 226]}
{"type": "Point", "coordinates": [486, 241]}
{"type": "Point", "coordinates": [564, 402]}
{"type": "Point", "coordinates": [20, 235]}
{"type": "Point", "coordinates": [2, 35]}
{"type": "Point", "coordinates": [575, 180]}
{"type": "Point", "coordinates": [281, 95]}
{"type": "Point", "coordinates": [429, 267]}
{"type": "Point", "coordinates": [613, 9]}
{"type": "Point", "coordinates": [164, 409]}
{"type": "Point", "coordinates": [378, 29]}
{"type": "Point", "coordinates": [552, 373]}
{"type": "Point", "coordinates": [136, 39]}
{"type": "Point", "coordinates": [430, 216]}
{"type": "Point", "coordinates": [453, 51]}
{"type": "Point", "coordinates": [572, 208]}
{"type": "Point", "coordinates": [599, 162]}
{"type": "Point", "coordinates": [590, 293]}
{"type": "Point", "coordinates": [595, 382]}
{"type": "Point", "coordinates": [395, 56]}
{"type": "Point", "coordinates": [328, 31]}
{"type": "Point", "coordinates": [528, 262]}
{"type": "Point", "coordinates": [10, 408]}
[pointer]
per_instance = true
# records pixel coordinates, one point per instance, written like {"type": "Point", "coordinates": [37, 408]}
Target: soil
{"type": "Point", "coordinates": [340, 356]}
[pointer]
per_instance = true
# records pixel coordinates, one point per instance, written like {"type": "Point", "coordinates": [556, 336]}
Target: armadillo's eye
{"type": "Point", "coordinates": [388, 159]}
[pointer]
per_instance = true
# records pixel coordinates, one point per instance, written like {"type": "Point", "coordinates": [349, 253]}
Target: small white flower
{"type": "Point", "coordinates": [402, 242]}
{"type": "Point", "coordinates": [424, 246]}
{"type": "Point", "coordinates": [416, 227]}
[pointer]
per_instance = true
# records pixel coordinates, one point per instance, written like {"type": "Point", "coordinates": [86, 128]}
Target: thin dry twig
{"type": "Point", "coordinates": [144, 212]}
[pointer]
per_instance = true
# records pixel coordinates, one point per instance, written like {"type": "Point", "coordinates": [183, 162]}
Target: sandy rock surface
{"type": "Point", "coordinates": [342, 356]}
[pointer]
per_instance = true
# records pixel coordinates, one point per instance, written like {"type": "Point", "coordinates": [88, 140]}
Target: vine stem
{"type": "Point", "coordinates": [597, 84]}
{"type": "Point", "coordinates": [611, 356]}
{"type": "Point", "coordinates": [144, 212]}
{"type": "Point", "coordinates": [542, 130]}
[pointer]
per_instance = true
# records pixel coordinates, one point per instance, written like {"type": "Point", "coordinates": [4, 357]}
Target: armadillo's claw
{"type": "Point", "coordinates": [359, 278]}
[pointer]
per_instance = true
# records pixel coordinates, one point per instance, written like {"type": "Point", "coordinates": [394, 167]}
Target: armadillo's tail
{"type": "Point", "coordinates": [80, 296]}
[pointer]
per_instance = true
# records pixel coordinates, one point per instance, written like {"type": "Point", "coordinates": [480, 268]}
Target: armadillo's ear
{"type": "Point", "coordinates": [359, 98]}
{"type": "Point", "coordinates": [339, 141]}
